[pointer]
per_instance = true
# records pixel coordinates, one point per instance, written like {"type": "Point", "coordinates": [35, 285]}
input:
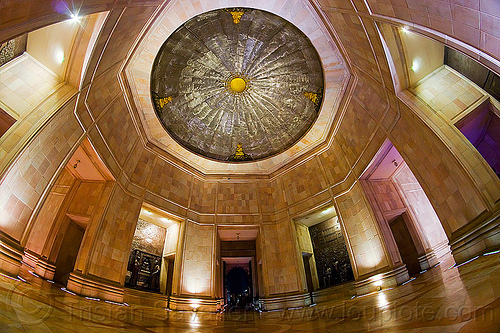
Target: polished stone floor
{"type": "Point", "coordinates": [443, 299]}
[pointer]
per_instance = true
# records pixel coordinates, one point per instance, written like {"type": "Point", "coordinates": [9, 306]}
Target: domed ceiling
{"type": "Point", "coordinates": [237, 84]}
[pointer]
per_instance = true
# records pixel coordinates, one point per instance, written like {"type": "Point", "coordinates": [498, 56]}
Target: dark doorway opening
{"type": "Point", "coordinates": [70, 245]}
{"type": "Point", "coordinates": [239, 288]}
{"type": "Point", "coordinates": [406, 246]}
{"type": "Point", "coordinates": [238, 272]}
{"type": "Point", "coordinates": [307, 269]}
{"type": "Point", "coordinates": [169, 264]}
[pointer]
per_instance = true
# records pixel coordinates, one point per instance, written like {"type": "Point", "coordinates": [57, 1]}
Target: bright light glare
{"type": "Point", "coordinates": [59, 55]}
{"type": "Point", "coordinates": [415, 65]}
{"type": "Point", "coordinates": [195, 321]}
{"type": "Point", "coordinates": [194, 303]}
{"type": "Point", "coordinates": [75, 18]}
{"type": "Point", "coordinates": [405, 29]}
{"type": "Point", "coordinates": [382, 301]}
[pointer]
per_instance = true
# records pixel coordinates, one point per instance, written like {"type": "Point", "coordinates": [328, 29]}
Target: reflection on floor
{"type": "Point", "coordinates": [442, 299]}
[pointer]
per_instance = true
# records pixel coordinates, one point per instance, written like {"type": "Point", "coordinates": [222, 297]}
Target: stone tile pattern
{"type": "Point", "coordinates": [131, 21]}
{"type": "Point", "coordinates": [450, 190]}
{"type": "Point", "coordinates": [111, 250]}
{"type": "Point", "coordinates": [387, 195]}
{"type": "Point", "coordinates": [113, 124]}
{"type": "Point", "coordinates": [197, 259]}
{"type": "Point", "coordinates": [102, 91]}
{"type": "Point", "coordinates": [86, 198]}
{"type": "Point", "coordinates": [280, 267]}
{"type": "Point", "coordinates": [48, 213]}
{"type": "Point", "coordinates": [475, 22]}
{"type": "Point", "coordinates": [357, 127]}
{"type": "Point", "coordinates": [139, 164]}
{"type": "Point", "coordinates": [366, 249]}
{"type": "Point", "coordinates": [303, 182]}
{"type": "Point", "coordinates": [23, 186]}
{"type": "Point", "coordinates": [29, 93]}
{"type": "Point", "coordinates": [421, 208]}
{"type": "Point", "coordinates": [237, 198]}
{"type": "Point", "coordinates": [203, 196]}
{"type": "Point", "coordinates": [448, 93]}
{"type": "Point", "coordinates": [170, 182]}
{"type": "Point", "coordinates": [351, 30]}
{"type": "Point", "coordinates": [270, 197]}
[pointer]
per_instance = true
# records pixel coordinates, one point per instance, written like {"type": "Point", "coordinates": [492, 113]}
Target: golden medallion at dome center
{"type": "Point", "coordinates": [238, 84]}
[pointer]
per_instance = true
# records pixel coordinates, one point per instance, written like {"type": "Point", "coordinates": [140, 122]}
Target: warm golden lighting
{"type": "Point", "coordinates": [238, 84]}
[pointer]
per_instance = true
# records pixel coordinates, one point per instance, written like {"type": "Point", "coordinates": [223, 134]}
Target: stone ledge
{"type": "Point", "coordinates": [385, 280]}
{"type": "Point", "coordinates": [11, 255]}
{"type": "Point", "coordinates": [145, 298]}
{"type": "Point", "coordinates": [282, 302]}
{"type": "Point", "coordinates": [185, 303]}
{"type": "Point", "coordinates": [88, 287]}
{"type": "Point", "coordinates": [341, 291]}
{"type": "Point", "coordinates": [481, 239]}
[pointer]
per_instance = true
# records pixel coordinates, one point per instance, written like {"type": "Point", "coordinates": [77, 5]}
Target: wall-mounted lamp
{"type": "Point", "coordinates": [395, 163]}
{"type": "Point", "coordinates": [76, 164]}
{"type": "Point", "coordinates": [238, 236]}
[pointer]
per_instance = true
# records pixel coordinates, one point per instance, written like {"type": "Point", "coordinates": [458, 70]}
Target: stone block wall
{"type": "Point", "coordinates": [198, 260]}
{"type": "Point", "coordinates": [49, 211]}
{"type": "Point", "coordinates": [364, 242]}
{"type": "Point", "coordinates": [22, 187]}
{"type": "Point", "coordinates": [279, 263]}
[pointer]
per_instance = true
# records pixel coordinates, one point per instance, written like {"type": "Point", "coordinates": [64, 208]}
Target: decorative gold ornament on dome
{"type": "Point", "coordinates": [315, 97]}
{"type": "Point", "coordinates": [312, 96]}
{"type": "Point", "coordinates": [237, 16]}
{"type": "Point", "coordinates": [239, 155]}
{"type": "Point", "coordinates": [238, 84]}
{"type": "Point", "coordinates": [160, 102]}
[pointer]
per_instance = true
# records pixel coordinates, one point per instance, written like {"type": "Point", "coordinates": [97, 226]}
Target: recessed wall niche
{"type": "Point", "coordinates": [152, 252]}
{"type": "Point", "coordinates": [332, 259]}
{"type": "Point", "coordinates": [144, 266]}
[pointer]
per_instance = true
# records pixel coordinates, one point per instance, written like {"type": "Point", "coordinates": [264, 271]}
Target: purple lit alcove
{"type": "Point", "coordinates": [482, 129]}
